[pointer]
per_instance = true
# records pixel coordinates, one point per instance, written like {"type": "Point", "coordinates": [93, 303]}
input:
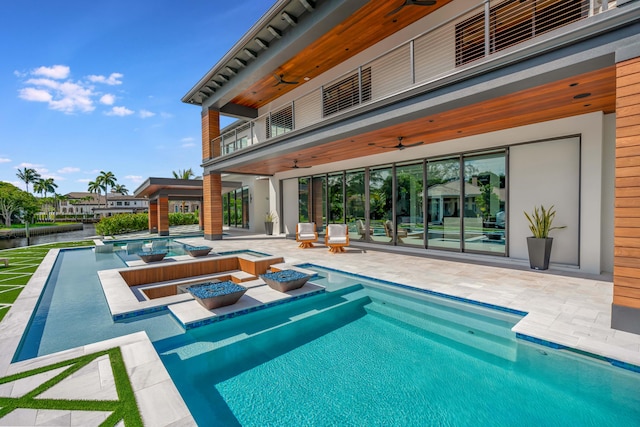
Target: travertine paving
{"type": "Point", "coordinates": [562, 308]}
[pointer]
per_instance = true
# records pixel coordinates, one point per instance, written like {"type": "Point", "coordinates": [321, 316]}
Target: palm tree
{"type": "Point", "coordinates": [184, 174]}
{"type": "Point", "coordinates": [95, 187]}
{"type": "Point", "coordinates": [28, 175]}
{"type": "Point", "coordinates": [106, 180]}
{"type": "Point", "coordinates": [44, 186]}
{"type": "Point", "coordinates": [120, 189]}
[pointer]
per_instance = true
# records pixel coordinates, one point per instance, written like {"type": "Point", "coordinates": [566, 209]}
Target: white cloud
{"type": "Point", "coordinates": [107, 99]}
{"type": "Point", "coordinates": [135, 178]}
{"type": "Point", "coordinates": [188, 139]}
{"type": "Point", "coordinates": [28, 165]}
{"type": "Point", "coordinates": [119, 111]}
{"type": "Point", "coordinates": [166, 115]}
{"type": "Point", "coordinates": [146, 114]}
{"type": "Point", "coordinates": [55, 72]}
{"type": "Point", "coordinates": [188, 145]}
{"type": "Point", "coordinates": [4, 160]}
{"type": "Point", "coordinates": [66, 96]}
{"type": "Point", "coordinates": [36, 95]}
{"type": "Point", "coordinates": [68, 169]}
{"type": "Point", "coordinates": [112, 80]}
{"type": "Point", "coordinates": [84, 180]}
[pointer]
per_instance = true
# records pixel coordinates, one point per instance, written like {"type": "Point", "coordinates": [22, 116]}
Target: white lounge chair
{"type": "Point", "coordinates": [337, 237]}
{"type": "Point", "coordinates": [306, 234]}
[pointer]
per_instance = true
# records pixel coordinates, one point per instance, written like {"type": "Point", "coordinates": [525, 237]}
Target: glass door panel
{"type": "Point", "coordinates": [303, 199]}
{"type": "Point", "coordinates": [381, 204]}
{"type": "Point", "coordinates": [409, 204]}
{"type": "Point", "coordinates": [336, 198]}
{"type": "Point", "coordinates": [443, 204]}
{"type": "Point", "coordinates": [319, 202]}
{"type": "Point", "coordinates": [485, 203]}
{"type": "Point", "coordinates": [354, 206]}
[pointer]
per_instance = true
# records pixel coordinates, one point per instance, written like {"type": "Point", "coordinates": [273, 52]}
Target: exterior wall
{"type": "Point", "coordinates": [163, 216]}
{"type": "Point", "coordinates": [585, 239]}
{"type": "Point", "coordinates": [211, 184]}
{"type": "Point", "coordinates": [608, 191]}
{"type": "Point", "coordinates": [626, 273]}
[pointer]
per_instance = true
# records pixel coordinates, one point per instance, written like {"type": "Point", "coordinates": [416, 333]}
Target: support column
{"type": "Point", "coordinates": [153, 216]}
{"type": "Point", "coordinates": [212, 215]}
{"type": "Point", "coordinates": [211, 182]}
{"type": "Point", "coordinates": [625, 310]}
{"type": "Point", "coordinates": [163, 216]}
{"type": "Point", "coordinates": [200, 217]}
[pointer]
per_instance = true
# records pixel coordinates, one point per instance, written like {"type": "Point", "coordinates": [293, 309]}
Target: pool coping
{"type": "Point", "coordinates": [158, 399]}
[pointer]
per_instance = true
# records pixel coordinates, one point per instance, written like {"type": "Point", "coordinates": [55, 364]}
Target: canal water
{"type": "Point", "coordinates": [88, 231]}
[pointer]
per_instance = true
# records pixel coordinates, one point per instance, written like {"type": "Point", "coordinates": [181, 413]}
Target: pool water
{"type": "Point", "coordinates": [362, 353]}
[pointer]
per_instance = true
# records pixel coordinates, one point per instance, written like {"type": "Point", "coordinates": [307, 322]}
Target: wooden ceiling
{"type": "Point", "coordinates": [547, 102]}
{"type": "Point", "coordinates": [369, 25]}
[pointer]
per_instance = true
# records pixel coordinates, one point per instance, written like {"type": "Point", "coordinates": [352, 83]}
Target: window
{"type": "Point", "coordinates": [512, 22]}
{"type": "Point", "coordinates": [127, 203]}
{"type": "Point", "coordinates": [118, 203]}
{"type": "Point", "coordinates": [280, 122]}
{"type": "Point", "coordinates": [346, 93]}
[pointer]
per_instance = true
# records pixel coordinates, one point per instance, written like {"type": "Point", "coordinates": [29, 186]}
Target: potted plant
{"type": "Point", "coordinates": [539, 245]}
{"type": "Point", "coordinates": [269, 218]}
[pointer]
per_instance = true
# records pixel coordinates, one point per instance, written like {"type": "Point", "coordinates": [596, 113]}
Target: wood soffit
{"type": "Point", "coordinates": [361, 30]}
{"type": "Point", "coordinates": [547, 102]}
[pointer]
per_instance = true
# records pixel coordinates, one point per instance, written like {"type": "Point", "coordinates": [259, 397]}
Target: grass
{"type": "Point", "coordinates": [36, 224]}
{"type": "Point", "coordinates": [123, 409]}
{"type": "Point", "coordinates": [23, 262]}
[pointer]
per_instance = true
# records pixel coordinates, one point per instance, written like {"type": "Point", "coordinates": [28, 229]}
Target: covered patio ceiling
{"type": "Point", "coordinates": [559, 99]}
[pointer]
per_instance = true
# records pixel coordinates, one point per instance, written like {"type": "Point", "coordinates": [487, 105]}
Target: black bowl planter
{"type": "Point", "coordinates": [539, 252]}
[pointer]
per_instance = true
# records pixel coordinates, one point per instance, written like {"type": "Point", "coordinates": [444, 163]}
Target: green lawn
{"type": "Point", "coordinates": [23, 262]}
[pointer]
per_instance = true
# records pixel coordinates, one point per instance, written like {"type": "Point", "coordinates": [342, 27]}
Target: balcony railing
{"type": "Point", "coordinates": [479, 32]}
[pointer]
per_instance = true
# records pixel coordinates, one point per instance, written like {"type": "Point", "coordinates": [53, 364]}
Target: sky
{"type": "Point", "coordinates": [90, 86]}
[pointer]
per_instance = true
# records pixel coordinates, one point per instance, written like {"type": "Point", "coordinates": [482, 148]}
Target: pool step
{"type": "Point", "coordinates": [455, 331]}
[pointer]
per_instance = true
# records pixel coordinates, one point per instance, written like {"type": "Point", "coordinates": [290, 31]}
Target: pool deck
{"type": "Point", "coordinates": [563, 308]}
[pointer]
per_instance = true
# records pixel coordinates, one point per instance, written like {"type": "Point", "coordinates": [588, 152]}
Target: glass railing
{"type": "Point", "coordinates": [454, 45]}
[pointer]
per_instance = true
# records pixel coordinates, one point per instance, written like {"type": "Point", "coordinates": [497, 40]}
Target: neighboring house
{"type": "Point", "coordinates": [87, 205]}
{"type": "Point", "coordinates": [186, 206]}
{"type": "Point", "coordinates": [353, 110]}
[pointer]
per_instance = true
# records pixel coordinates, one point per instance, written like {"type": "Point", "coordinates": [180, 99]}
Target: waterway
{"type": "Point", "coordinates": [88, 231]}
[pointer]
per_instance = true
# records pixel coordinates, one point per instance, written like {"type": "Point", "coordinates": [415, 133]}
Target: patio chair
{"type": "Point", "coordinates": [362, 230]}
{"type": "Point", "coordinates": [388, 229]}
{"type": "Point", "coordinates": [134, 247]}
{"type": "Point", "coordinates": [306, 234]}
{"type": "Point", "coordinates": [337, 237]}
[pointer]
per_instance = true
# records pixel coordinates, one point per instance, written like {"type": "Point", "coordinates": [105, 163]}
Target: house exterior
{"type": "Point", "coordinates": [450, 120]}
{"type": "Point", "coordinates": [86, 205]}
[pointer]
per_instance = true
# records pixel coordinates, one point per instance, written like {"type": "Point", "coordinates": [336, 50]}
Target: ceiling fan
{"type": "Point", "coordinates": [401, 146]}
{"type": "Point", "coordinates": [295, 165]}
{"type": "Point", "coordinates": [281, 80]}
{"type": "Point", "coordinates": [412, 3]}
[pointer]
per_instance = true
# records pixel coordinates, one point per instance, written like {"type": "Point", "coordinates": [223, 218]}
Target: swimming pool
{"type": "Point", "coordinates": [362, 353]}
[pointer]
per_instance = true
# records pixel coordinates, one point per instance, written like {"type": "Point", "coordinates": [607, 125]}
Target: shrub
{"type": "Point", "coordinates": [179, 218]}
{"type": "Point", "coordinates": [127, 223]}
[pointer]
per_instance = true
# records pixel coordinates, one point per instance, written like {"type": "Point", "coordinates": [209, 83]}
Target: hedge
{"type": "Point", "coordinates": [127, 223]}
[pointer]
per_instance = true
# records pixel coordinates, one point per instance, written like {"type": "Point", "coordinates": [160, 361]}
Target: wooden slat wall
{"type": "Point", "coordinates": [179, 270]}
{"type": "Point", "coordinates": [259, 266]}
{"type": "Point", "coordinates": [210, 130]}
{"type": "Point", "coordinates": [212, 205]}
{"type": "Point", "coordinates": [626, 271]}
{"type": "Point", "coordinates": [163, 215]}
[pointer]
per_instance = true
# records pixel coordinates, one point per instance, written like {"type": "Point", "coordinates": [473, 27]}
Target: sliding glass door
{"type": "Point", "coordinates": [443, 204]}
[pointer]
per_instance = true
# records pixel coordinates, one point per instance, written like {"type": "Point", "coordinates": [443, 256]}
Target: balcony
{"type": "Point", "coordinates": [474, 36]}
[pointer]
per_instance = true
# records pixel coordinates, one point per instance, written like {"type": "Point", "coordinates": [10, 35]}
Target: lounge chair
{"type": "Point", "coordinates": [158, 245]}
{"type": "Point", "coordinates": [134, 247]}
{"type": "Point", "coordinates": [388, 229]}
{"type": "Point", "coordinates": [337, 237]}
{"type": "Point", "coordinates": [306, 234]}
{"type": "Point", "coordinates": [104, 249]}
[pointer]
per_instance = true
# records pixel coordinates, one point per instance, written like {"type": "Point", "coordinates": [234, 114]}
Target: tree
{"type": "Point", "coordinates": [95, 187]}
{"type": "Point", "coordinates": [43, 187]}
{"type": "Point", "coordinates": [28, 175]}
{"type": "Point", "coordinates": [13, 201]}
{"type": "Point", "coordinates": [106, 180]}
{"type": "Point", "coordinates": [120, 189]}
{"type": "Point", "coordinates": [184, 174]}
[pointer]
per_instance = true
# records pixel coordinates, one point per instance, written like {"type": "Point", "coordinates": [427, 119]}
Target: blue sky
{"type": "Point", "coordinates": [96, 85]}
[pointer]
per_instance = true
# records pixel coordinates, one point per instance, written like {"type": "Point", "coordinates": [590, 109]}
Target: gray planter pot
{"type": "Point", "coordinates": [268, 228]}
{"type": "Point", "coordinates": [539, 252]}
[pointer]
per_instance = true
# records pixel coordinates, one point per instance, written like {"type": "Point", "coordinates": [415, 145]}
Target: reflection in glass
{"type": "Point", "coordinates": [303, 199]}
{"type": "Point", "coordinates": [354, 206]}
{"type": "Point", "coordinates": [381, 204]}
{"type": "Point", "coordinates": [485, 203]}
{"type": "Point", "coordinates": [409, 214]}
{"type": "Point", "coordinates": [336, 199]}
{"type": "Point", "coordinates": [319, 202]}
{"type": "Point", "coordinates": [443, 204]}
